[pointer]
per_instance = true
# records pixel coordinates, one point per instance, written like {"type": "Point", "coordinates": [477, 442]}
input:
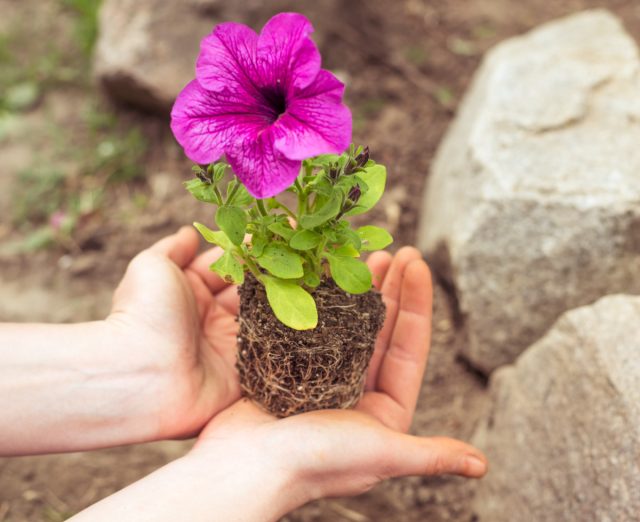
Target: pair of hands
{"type": "Point", "coordinates": [183, 315]}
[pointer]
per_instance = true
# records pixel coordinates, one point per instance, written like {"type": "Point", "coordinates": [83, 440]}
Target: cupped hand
{"type": "Point", "coordinates": [180, 320]}
{"type": "Point", "coordinates": [346, 452]}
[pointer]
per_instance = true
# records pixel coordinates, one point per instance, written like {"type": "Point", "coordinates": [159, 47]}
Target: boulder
{"type": "Point", "coordinates": [146, 49]}
{"type": "Point", "coordinates": [563, 437]}
{"type": "Point", "coordinates": [533, 203]}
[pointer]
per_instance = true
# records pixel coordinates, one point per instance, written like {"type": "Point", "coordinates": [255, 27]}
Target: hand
{"type": "Point", "coordinates": [346, 452]}
{"type": "Point", "coordinates": [249, 466]}
{"type": "Point", "coordinates": [178, 318]}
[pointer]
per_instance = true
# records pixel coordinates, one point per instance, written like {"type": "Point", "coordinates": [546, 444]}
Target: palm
{"type": "Point", "coordinates": [184, 319]}
{"type": "Point", "coordinates": [363, 445]}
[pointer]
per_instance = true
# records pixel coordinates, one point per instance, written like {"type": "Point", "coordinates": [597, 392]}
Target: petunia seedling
{"type": "Point", "coordinates": [264, 103]}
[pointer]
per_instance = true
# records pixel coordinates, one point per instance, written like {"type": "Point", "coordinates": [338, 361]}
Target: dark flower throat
{"type": "Point", "coordinates": [276, 101]}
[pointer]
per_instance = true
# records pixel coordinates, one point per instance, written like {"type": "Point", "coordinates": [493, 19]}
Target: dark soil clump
{"type": "Point", "coordinates": [288, 371]}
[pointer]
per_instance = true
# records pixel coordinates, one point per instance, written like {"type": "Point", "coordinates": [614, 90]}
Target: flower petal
{"type": "Point", "coordinates": [286, 54]}
{"type": "Point", "coordinates": [205, 123]}
{"type": "Point", "coordinates": [316, 121]}
{"type": "Point", "coordinates": [227, 60]}
{"type": "Point", "coordinates": [260, 167]}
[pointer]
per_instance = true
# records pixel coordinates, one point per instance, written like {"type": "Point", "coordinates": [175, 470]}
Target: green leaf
{"type": "Point", "coordinates": [22, 96]}
{"type": "Point", "coordinates": [352, 275]}
{"type": "Point", "coordinates": [237, 194]}
{"type": "Point", "coordinates": [330, 234]}
{"type": "Point", "coordinates": [282, 229]}
{"type": "Point", "coordinates": [347, 251]}
{"type": "Point", "coordinates": [217, 171]}
{"type": "Point", "coordinates": [217, 237]}
{"type": "Point", "coordinates": [325, 159]}
{"type": "Point", "coordinates": [375, 178]}
{"type": "Point", "coordinates": [328, 211]}
{"type": "Point", "coordinates": [323, 187]}
{"type": "Point", "coordinates": [349, 237]}
{"type": "Point", "coordinates": [233, 222]}
{"type": "Point", "coordinates": [311, 279]}
{"type": "Point", "coordinates": [202, 191]}
{"type": "Point", "coordinates": [305, 240]}
{"type": "Point", "coordinates": [281, 261]}
{"type": "Point", "coordinates": [257, 245]}
{"type": "Point", "coordinates": [229, 269]}
{"type": "Point", "coordinates": [291, 303]}
{"type": "Point", "coordinates": [374, 238]}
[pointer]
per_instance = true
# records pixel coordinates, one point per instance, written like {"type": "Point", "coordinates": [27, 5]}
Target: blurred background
{"type": "Point", "coordinates": [90, 175]}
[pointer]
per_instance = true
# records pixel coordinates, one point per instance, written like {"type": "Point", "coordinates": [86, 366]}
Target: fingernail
{"type": "Point", "coordinates": [475, 466]}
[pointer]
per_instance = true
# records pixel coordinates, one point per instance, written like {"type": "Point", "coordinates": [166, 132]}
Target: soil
{"type": "Point", "coordinates": [406, 64]}
{"type": "Point", "coordinates": [290, 371]}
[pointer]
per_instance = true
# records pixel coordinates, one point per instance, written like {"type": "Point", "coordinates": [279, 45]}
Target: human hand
{"type": "Point", "coordinates": [250, 466]}
{"type": "Point", "coordinates": [178, 321]}
{"type": "Point", "coordinates": [346, 452]}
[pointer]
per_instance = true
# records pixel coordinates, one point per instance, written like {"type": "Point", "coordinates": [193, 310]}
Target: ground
{"type": "Point", "coordinates": [84, 185]}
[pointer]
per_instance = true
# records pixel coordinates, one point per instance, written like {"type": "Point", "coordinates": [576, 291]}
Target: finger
{"type": "Point", "coordinates": [200, 292]}
{"type": "Point", "coordinates": [379, 263]}
{"type": "Point", "coordinates": [229, 299]}
{"type": "Point", "coordinates": [200, 266]}
{"type": "Point", "coordinates": [391, 287]}
{"type": "Point", "coordinates": [403, 365]}
{"type": "Point", "coordinates": [409, 455]}
{"type": "Point", "coordinates": [180, 247]}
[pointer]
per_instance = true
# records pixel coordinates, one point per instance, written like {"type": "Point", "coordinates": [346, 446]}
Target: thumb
{"type": "Point", "coordinates": [180, 247]}
{"type": "Point", "coordinates": [409, 455]}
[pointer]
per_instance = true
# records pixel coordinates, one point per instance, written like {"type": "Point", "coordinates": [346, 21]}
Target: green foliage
{"type": "Point", "coordinates": [280, 261]}
{"type": "Point", "coordinates": [291, 251]}
{"type": "Point", "coordinates": [233, 222]}
{"type": "Point", "coordinates": [229, 268]}
{"type": "Point", "coordinates": [350, 274]}
{"type": "Point", "coordinates": [291, 303]}
{"type": "Point", "coordinates": [86, 22]}
{"type": "Point", "coordinates": [38, 193]}
{"type": "Point", "coordinates": [373, 238]}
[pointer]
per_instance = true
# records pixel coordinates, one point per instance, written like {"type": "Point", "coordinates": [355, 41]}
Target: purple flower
{"type": "Point", "coordinates": [262, 100]}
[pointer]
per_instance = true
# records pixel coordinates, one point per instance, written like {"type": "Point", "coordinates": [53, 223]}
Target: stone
{"type": "Point", "coordinates": [532, 207]}
{"type": "Point", "coordinates": [563, 435]}
{"type": "Point", "coordinates": [146, 49]}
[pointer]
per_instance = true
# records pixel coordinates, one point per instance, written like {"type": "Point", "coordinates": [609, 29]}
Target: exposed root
{"type": "Point", "coordinates": [288, 371]}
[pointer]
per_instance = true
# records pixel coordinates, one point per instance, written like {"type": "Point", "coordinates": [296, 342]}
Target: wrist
{"type": "Point", "coordinates": [87, 393]}
{"type": "Point", "coordinates": [250, 470]}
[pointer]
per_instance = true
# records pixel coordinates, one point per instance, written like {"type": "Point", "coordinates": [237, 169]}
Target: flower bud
{"type": "Point", "coordinates": [362, 158]}
{"type": "Point", "coordinates": [354, 194]}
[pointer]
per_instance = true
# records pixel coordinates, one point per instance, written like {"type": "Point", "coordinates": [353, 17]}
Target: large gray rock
{"type": "Point", "coordinates": [563, 439]}
{"type": "Point", "coordinates": [146, 49]}
{"type": "Point", "coordinates": [533, 203]}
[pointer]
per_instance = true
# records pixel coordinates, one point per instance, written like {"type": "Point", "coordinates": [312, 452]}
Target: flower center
{"type": "Point", "coordinates": [276, 100]}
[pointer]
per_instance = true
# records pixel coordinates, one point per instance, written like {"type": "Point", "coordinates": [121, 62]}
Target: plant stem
{"type": "Point", "coordinates": [302, 198]}
{"type": "Point", "coordinates": [253, 268]}
{"type": "Point", "coordinates": [234, 190]}
{"type": "Point", "coordinates": [318, 256]}
{"type": "Point", "coordinates": [288, 211]}
{"type": "Point", "coordinates": [218, 195]}
{"type": "Point", "coordinates": [261, 208]}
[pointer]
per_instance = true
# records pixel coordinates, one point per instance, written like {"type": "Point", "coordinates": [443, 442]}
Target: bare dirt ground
{"type": "Point", "coordinates": [406, 64]}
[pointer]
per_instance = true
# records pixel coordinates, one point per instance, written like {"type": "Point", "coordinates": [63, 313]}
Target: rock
{"type": "Point", "coordinates": [146, 50]}
{"type": "Point", "coordinates": [533, 204]}
{"type": "Point", "coordinates": [564, 433]}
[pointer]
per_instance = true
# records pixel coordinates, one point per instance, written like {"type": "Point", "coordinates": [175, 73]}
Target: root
{"type": "Point", "coordinates": [288, 371]}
